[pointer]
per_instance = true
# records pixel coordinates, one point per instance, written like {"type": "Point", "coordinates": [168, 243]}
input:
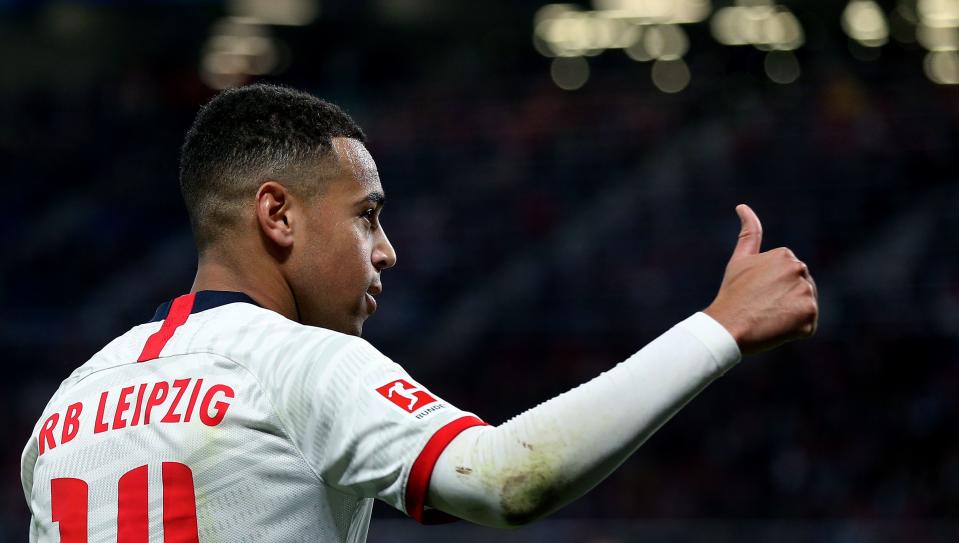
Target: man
{"type": "Point", "coordinates": [250, 409]}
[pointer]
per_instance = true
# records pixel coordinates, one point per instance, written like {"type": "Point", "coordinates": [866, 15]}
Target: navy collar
{"type": "Point", "coordinates": [205, 299]}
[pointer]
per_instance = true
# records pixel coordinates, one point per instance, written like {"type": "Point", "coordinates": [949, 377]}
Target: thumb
{"type": "Point", "coordinates": [750, 233]}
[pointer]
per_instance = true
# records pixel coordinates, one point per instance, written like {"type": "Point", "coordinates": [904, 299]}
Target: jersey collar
{"type": "Point", "coordinates": [205, 299]}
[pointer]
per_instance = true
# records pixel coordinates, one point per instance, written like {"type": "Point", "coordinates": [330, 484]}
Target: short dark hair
{"type": "Point", "coordinates": [246, 135]}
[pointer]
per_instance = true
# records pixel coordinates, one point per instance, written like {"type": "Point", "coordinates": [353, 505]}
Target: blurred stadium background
{"type": "Point", "coordinates": [561, 181]}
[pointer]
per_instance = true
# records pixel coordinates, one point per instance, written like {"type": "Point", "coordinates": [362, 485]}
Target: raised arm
{"type": "Point", "coordinates": [551, 454]}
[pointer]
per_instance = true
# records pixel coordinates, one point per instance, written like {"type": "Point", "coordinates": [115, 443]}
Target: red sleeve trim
{"type": "Point", "coordinates": [179, 311]}
{"type": "Point", "coordinates": [419, 480]}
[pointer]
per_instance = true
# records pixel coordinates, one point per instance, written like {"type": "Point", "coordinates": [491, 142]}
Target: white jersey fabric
{"type": "Point", "coordinates": [224, 421]}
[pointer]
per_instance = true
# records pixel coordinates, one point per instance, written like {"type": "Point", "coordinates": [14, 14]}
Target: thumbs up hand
{"type": "Point", "coordinates": [765, 299]}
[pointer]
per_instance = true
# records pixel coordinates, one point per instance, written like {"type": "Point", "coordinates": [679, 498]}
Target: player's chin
{"type": "Point", "coordinates": [365, 310]}
{"type": "Point", "coordinates": [356, 324]}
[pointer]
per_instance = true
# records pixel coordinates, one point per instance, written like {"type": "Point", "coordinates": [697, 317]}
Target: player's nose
{"type": "Point", "coordinates": [384, 256]}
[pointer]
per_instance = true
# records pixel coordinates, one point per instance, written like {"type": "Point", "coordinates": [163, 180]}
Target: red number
{"type": "Point", "coordinates": [69, 497]}
{"type": "Point", "coordinates": [179, 504]}
{"type": "Point", "coordinates": [69, 505]}
{"type": "Point", "coordinates": [132, 509]}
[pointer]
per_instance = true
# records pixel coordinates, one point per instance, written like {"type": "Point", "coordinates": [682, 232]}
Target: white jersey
{"type": "Point", "coordinates": [224, 421]}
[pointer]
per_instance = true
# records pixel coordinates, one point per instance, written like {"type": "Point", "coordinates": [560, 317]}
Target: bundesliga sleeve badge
{"type": "Point", "coordinates": [410, 397]}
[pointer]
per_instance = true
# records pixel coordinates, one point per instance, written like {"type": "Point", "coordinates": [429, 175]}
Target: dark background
{"type": "Point", "coordinates": [542, 236]}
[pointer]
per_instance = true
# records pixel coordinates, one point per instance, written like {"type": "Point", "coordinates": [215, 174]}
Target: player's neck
{"type": "Point", "coordinates": [266, 286]}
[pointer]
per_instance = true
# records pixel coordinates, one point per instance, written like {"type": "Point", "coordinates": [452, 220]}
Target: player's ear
{"type": "Point", "coordinates": [273, 203]}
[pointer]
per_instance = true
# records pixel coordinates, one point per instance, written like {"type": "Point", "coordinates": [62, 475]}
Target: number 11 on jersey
{"type": "Point", "coordinates": [70, 500]}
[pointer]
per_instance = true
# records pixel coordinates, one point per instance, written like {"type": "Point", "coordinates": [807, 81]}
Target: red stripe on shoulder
{"type": "Point", "coordinates": [419, 480]}
{"type": "Point", "coordinates": [179, 311]}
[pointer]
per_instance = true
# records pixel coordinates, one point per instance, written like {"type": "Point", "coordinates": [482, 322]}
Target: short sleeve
{"type": "Point", "coordinates": [364, 425]}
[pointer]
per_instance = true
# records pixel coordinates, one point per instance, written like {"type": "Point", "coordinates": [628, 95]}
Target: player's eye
{"type": "Point", "coordinates": [370, 216]}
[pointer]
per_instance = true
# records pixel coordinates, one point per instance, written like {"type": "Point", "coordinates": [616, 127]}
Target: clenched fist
{"type": "Point", "coordinates": [766, 299]}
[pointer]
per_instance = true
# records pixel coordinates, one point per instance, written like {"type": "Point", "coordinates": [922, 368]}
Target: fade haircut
{"type": "Point", "coordinates": [247, 135]}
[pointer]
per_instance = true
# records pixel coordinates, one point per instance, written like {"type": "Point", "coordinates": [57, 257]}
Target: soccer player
{"type": "Point", "coordinates": [251, 410]}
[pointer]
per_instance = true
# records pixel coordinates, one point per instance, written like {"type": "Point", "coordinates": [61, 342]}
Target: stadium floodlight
{"type": "Point", "coordinates": [865, 22]}
{"type": "Point", "coordinates": [767, 27]}
{"type": "Point", "coordinates": [939, 13]}
{"type": "Point", "coordinates": [938, 38]}
{"type": "Point", "coordinates": [656, 11]}
{"type": "Point", "coordinates": [942, 67]}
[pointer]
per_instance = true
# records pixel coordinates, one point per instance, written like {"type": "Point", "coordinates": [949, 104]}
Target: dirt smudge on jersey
{"type": "Point", "coordinates": [530, 487]}
{"type": "Point", "coordinates": [531, 491]}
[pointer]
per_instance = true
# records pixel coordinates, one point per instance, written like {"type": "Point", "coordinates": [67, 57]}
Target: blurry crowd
{"type": "Point", "coordinates": [543, 236]}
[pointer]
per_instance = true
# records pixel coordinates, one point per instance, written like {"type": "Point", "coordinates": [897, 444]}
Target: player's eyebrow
{"type": "Point", "coordinates": [376, 197]}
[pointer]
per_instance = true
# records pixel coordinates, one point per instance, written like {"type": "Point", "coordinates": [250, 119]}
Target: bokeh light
{"type": "Point", "coordinates": [276, 12]}
{"type": "Point", "coordinates": [670, 76]}
{"type": "Point", "coordinates": [864, 21]}
{"type": "Point", "coordinates": [942, 67]}
{"type": "Point", "coordinates": [765, 26]}
{"type": "Point", "coordinates": [781, 66]}
{"type": "Point", "coordinates": [569, 73]}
